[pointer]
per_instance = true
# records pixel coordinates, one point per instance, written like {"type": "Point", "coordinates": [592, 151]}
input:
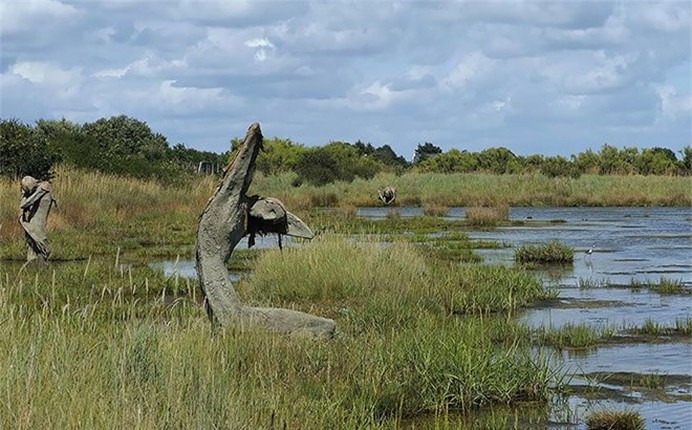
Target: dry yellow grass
{"type": "Point", "coordinates": [487, 216]}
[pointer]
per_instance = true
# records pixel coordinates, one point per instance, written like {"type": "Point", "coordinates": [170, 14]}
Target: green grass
{"type": "Point", "coordinates": [663, 286]}
{"type": "Point", "coordinates": [551, 252]}
{"type": "Point", "coordinates": [89, 343]}
{"type": "Point", "coordinates": [92, 342]}
{"type": "Point", "coordinates": [573, 336]}
{"type": "Point", "coordinates": [98, 213]}
{"type": "Point", "coordinates": [682, 327]}
{"type": "Point", "coordinates": [486, 190]}
{"type": "Point", "coordinates": [398, 276]}
{"type": "Point", "coordinates": [669, 286]}
{"type": "Point", "coordinates": [588, 283]}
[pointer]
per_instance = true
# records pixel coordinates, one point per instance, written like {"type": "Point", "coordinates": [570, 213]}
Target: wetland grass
{"type": "Point", "coordinates": [345, 270]}
{"type": "Point", "coordinates": [551, 252]}
{"type": "Point", "coordinates": [663, 286]}
{"type": "Point", "coordinates": [487, 190]}
{"type": "Point", "coordinates": [435, 210]}
{"type": "Point", "coordinates": [98, 213]}
{"type": "Point", "coordinates": [682, 327]}
{"type": "Point", "coordinates": [589, 283]}
{"type": "Point", "coordinates": [128, 347]}
{"type": "Point", "coordinates": [92, 343]}
{"type": "Point", "coordinates": [668, 286]}
{"type": "Point", "coordinates": [573, 336]}
{"type": "Point", "coordinates": [484, 217]}
{"type": "Point", "coordinates": [615, 420]}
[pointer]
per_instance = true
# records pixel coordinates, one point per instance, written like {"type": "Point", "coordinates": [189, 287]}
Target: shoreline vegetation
{"type": "Point", "coordinates": [99, 339]}
{"type": "Point", "coordinates": [100, 213]}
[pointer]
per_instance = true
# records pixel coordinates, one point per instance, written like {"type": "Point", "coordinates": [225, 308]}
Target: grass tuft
{"type": "Point", "coordinates": [551, 252]}
{"type": "Point", "coordinates": [615, 420]}
{"type": "Point", "coordinates": [669, 286]}
{"type": "Point", "coordinates": [435, 210]}
{"type": "Point", "coordinates": [487, 216]}
{"type": "Point", "coordinates": [574, 336]}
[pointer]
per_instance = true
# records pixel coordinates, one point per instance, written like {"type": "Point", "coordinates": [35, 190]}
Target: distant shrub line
{"type": "Point", "coordinates": [126, 146]}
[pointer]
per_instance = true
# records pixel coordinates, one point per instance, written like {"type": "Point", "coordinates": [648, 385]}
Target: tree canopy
{"type": "Point", "coordinates": [127, 146]}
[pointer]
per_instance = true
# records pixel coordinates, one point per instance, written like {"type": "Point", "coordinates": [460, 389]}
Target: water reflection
{"type": "Point", "coordinates": [630, 244]}
{"type": "Point", "coordinates": [186, 268]}
{"type": "Point", "coordinates": [643, 244]}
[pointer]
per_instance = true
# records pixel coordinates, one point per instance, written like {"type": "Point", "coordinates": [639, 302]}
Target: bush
{"type": "Point", "coordinates": [337, 161]}
{"type": "Point", "coordinates": [551, 252]}
{"type": "Point", "coordinates": [24, 151]}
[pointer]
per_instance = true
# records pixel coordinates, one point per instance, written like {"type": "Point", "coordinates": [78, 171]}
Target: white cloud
{"type": "Point", "coordinates": [401, 72]}
{"type": "Point", "coordinates": [192, 98]}
{"type": "Point", "coordinates": [663, 16]}
{"type": "Point", "coordinates": [148, 66]}
{"type": "Point", "coordinates": [673, 104]}
{"type": "Point", "coordinates": [22, 16]}
{"type": "Point", "coordinates": [64, 82]}
{"type": "Point", "coordinates": [474, 66]}
{"type": "Point", "coordinates": [261, 43]}
{"type": "Point", "coordinates": [105, 34]}
{"type": "Point", "coordinates": [609, 73]}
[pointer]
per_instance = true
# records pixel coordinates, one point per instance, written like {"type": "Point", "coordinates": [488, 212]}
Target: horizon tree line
{"type": "Point", "coordinates": [126, 146]}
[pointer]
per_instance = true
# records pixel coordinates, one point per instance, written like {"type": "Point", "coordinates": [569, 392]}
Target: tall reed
{"type": "Point", "coordinates": [487, 216]}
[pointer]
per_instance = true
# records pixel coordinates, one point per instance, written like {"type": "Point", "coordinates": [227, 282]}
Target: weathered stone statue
{"type": "Point", "coordinates": [388, 195]}
{"type": "Point", "coordinates": [34, 208]}
{"type": "Point", "coordinates": [229, 216]}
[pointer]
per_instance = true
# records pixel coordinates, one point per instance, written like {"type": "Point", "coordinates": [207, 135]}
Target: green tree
{"type": "Point", "coordinates": [615, 162]}
{"type": "Point", "coordinates": [189, 158]}
{"type": "Point", "coordinates": [498, 160]}
{"type": "Point", "coordinates": [425, 151]}
{"type": "Point", "coordinates": [278, 156]}
{"type": "Point", "coordinates": [657, 161]}
{"type": "Point", "coordinates": [316, 166]}
{"type": "Point", "coordinates": [24, 151]}
{"type": "Point", "coordinates": [686, 162]}
{"type": "Point", "coordinates": [452, 161]}
{"type": "Point", "coordinates": [532, 163]}
{"type": "Point", "coordinates": [123, 136]}
{"type": "Point", "coordinates": [364, 148]}
{"type": "Point", "coordinates": [337, 161]}
{"type": "Point", "coordinates": [66, 141]}
{"type": "Point", "coordinates": [386, 155]}
{"type": "Point", "coordinates": [559, 166]}
{"type": "Point", "coordinates": [587, 162]}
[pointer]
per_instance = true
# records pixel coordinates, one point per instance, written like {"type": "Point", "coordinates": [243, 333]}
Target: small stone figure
{"type": "Point", "coordinates": [35, 206]}
{"type": "Point", "coordinates": [388, 195]}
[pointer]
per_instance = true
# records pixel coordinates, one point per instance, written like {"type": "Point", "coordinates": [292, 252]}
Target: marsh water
{"type": "Point", "coordinates": [632, 247]}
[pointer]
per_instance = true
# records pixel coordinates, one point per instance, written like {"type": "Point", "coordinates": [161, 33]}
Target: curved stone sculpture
{"type": "Point", "coordinates": [229, 216]}
{"type": "Point", "coordinates": [388, 195]}
{"type": "Point", "coordinates": [35, 206]}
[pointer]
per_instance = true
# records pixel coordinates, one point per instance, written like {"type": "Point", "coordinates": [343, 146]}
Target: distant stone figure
{"type": "Point", "coordinates": [35, 206]}
{"type": "Point", "coordinates": [388, 195]}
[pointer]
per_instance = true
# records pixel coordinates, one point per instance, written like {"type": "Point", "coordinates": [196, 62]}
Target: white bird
{"type": "Point", "coordinates": [589, 251]}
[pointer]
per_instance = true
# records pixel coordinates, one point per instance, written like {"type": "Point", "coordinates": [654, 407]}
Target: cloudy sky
{"type": "Point", "coordinates": [534, 76]}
